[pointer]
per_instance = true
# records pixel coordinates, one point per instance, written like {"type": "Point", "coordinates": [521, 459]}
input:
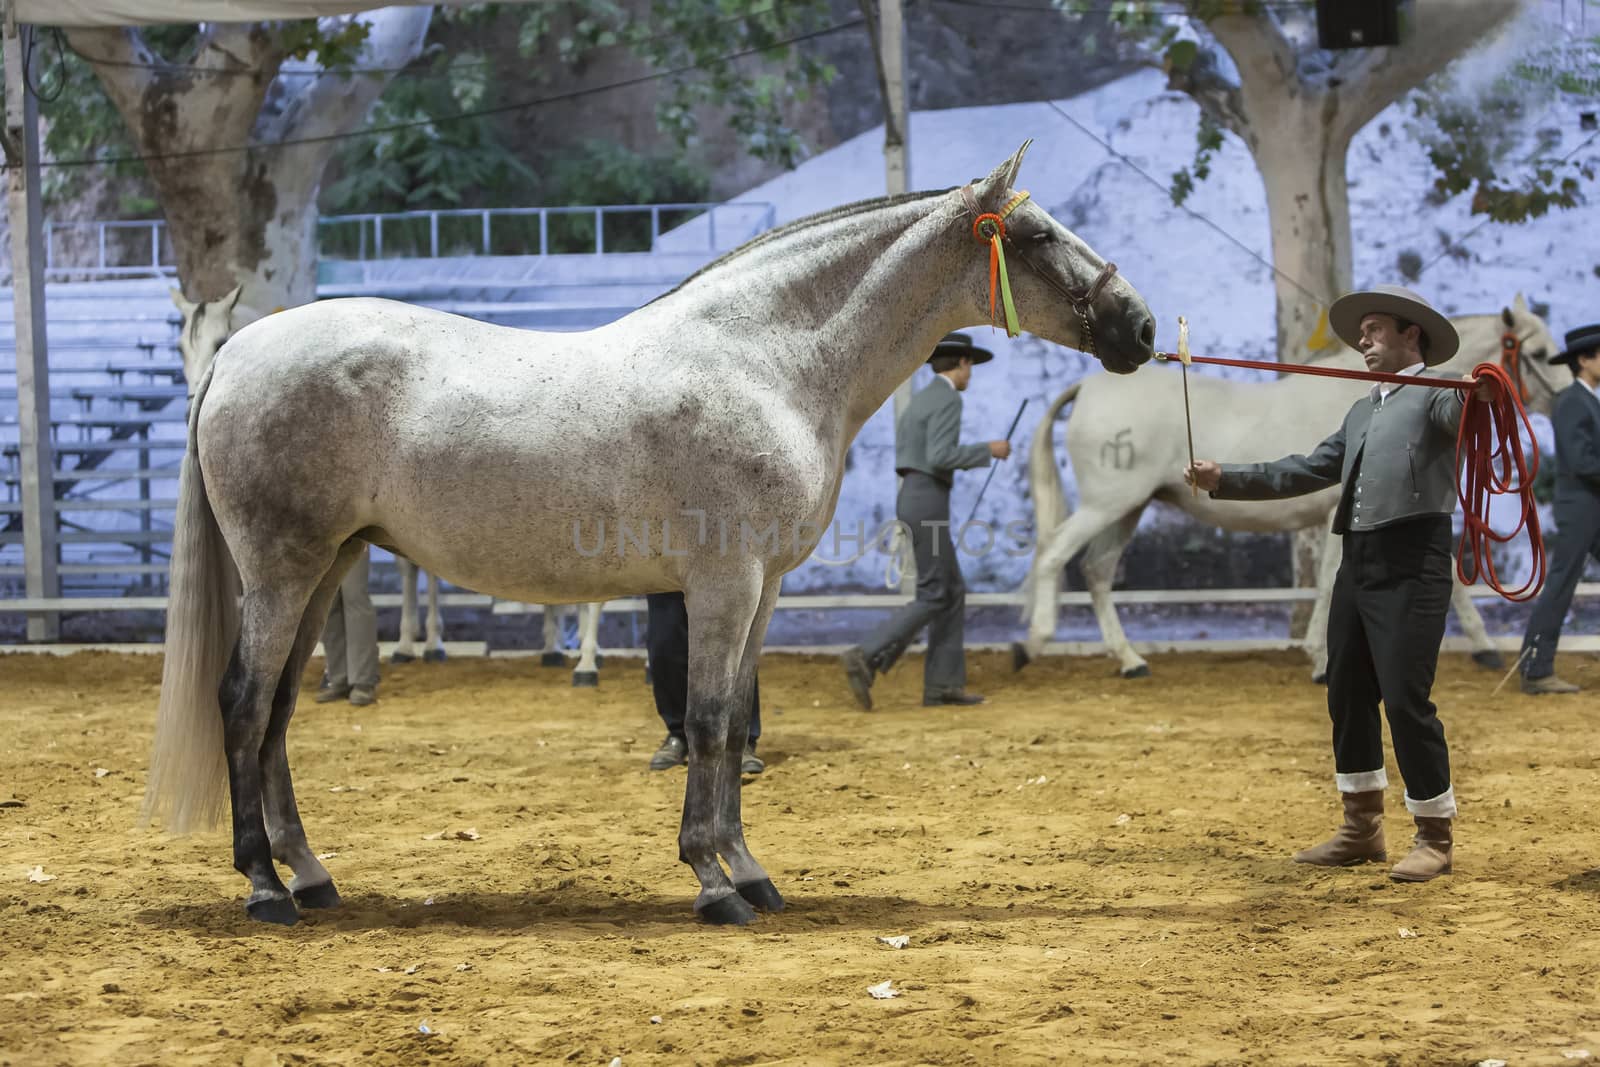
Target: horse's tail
{"type": "Point", "coordinates": [188, 764]}
{"type": "Point", "coordinates": [1049, 496]}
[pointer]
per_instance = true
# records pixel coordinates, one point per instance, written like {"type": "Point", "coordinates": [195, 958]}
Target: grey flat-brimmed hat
{"type": "Point", "coordinates": [1347, 312]}
{"type": "Point", "coordinates": [959, 344]}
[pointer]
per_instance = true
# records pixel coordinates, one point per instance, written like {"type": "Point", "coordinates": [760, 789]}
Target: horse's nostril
{"type": "Point", "coordinates": [1147, 336]}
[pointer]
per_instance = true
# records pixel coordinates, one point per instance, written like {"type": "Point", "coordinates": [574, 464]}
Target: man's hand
{"type": "Point", "coordinates": [1484, 390]}
{"type": "Point", "coordinates": [1000, 449]}
{"type": "Point", "coordinates": [1205, 473]}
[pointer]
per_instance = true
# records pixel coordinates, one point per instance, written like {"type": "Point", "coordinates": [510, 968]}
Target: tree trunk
{"type": "Point", "coordinates": [245, 216]}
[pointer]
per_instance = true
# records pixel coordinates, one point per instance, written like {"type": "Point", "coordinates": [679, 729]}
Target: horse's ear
{"type": "Point", "coordinates": [232, 298]}
{"type": "Point", "coordinates": [1520, 304]}
{"type": "Point", "coordinates": [179, 302]}
{"type": "Point", "coordinates": [1015, 164]}
{"type": "Point", "coordinates": [1002, 179]}
{"type": "Point", "coordinates": [1506, 316]}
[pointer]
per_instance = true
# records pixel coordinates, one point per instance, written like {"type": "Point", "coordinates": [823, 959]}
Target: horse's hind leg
{"type": "Point", "coordinates": [1099, 573]}
{"type": "Point", "coordinates": [749, 878]}
{"type": "Point", "coordinates": [271, 617]}
{"type": "Point", "coordinates": [721, 611]}
{"type": "Point", "coordinates": [587, 673]}
{"type": "Point", "coordinates": [1484, 654]}
{"type": "Point", "coordinates": [312, 885]}
{"type": "Point", "coordinates": [1064, 543]}
{"type": "Point", "coordinates": [552, 655]}
{"type": "Point", "coordinates": [403, 651]}
{"type": "Point", "coordinates": [433, 643]}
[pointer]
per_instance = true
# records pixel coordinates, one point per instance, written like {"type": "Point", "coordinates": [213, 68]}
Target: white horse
{"type": "Point", "coordinates": [712, 423]}
{"type": "Point", "coordinates": [1127, 441]}
{"type": "Point", "coordinates": [206, 326]}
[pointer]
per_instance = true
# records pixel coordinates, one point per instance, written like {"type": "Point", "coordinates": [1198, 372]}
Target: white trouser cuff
{"type": "Point", "coordinates": [1362, 781]}
{"type": "Point", "coordinates": [1442, 806]}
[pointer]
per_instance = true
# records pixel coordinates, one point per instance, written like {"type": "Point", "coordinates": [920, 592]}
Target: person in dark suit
{"type": "Point", "coordinates": [1395, 455]}
{"type": "Point", "coordinates": [928, 452]}
{"type": "Point", "coordinates": [667, 645]}
{"type": "Point", "coordinates": [1577, 509]}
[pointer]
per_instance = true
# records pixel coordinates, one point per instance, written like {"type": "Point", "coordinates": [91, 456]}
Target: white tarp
{"type": "Point", "coordinates": [150, 12]}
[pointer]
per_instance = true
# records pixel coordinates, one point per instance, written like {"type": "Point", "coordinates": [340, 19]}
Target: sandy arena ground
{"type": "Point", "coordinates": [1088, 870]}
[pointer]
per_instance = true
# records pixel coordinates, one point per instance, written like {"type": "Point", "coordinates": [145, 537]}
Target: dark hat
{"type": "Point", "coordinates": [1580, 341]}
{"type": "Point", "coordinates": [1347, 312]}
{"type": "Point", "coordinates": [959, 344]}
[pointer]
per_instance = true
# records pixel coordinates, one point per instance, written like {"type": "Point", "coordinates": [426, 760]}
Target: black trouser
{"type": "Point", "coordinates": [941, 603]}
{"type": "Point", "coordinates": [1571, 549]}
{"type": "Point", "coordinates": [1385, 623]}
{"type": "Point", "coordinates": [667, 643]}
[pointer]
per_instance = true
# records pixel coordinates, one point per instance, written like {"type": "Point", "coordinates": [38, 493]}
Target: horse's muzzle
{"type": "Point", "coordinates": [1127, 341]}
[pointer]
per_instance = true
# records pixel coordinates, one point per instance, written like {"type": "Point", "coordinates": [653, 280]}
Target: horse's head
{"type": "Point", "coordinates": [206, 326]}
{"type": "Point", "coordinates": [1525, 350]}
{"type": "Point", "coordinates": [1064, 292]}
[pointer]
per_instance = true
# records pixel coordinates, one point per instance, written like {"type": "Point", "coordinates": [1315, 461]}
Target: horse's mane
{"type": "Point", "coordinates": [805, 222]}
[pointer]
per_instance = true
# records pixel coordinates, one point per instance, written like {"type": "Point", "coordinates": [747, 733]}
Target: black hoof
{"type": "Point", "coordinates": [762, 895]}
{"type": "Point", "coordinates": [1019, 656]}
{"type": "Point", "coordinates": [401, 657]}
{"type": "Point", "coordinates": [731, 910]}
{"type": "Point", "coordinates": [318, 896]}
{"type": "Point", "coordinates": [280, 910]}
{"type": "Point", "coordinates": [1490, 659]}
{"type": "Point", "coordinates": [1141, 671]}
{"type": "Point", "coordinates": [585, 679]}
{"type": "Point", "coordinates": [433, 655]}
{"type": "Point", "coordinates": [552, 659]}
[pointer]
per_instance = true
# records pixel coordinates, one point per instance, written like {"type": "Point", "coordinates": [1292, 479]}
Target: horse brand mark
{"type": "Point", "coordinates": [1120, 449]}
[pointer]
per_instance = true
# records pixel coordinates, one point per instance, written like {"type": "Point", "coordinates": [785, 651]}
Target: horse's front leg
{"type": "Point", "coordinates": [587, 673]}
{"type": "Point", "coordinates": [722, 609]}
{"type": "Point", "coordinates": [749, 878]}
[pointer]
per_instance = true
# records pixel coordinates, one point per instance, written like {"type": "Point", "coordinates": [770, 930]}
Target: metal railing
{"type": "Point", "coordinates": [142, 248]}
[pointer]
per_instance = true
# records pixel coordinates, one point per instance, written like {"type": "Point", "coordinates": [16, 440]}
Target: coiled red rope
{"type": "Point", "coordinates": [1490, 461]}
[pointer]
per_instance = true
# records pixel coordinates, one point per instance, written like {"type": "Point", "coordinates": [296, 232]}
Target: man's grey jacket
{"type": "Point", "coordinates": [1576, 422]}
{"type": "Point", "coordinates": [1396, 459]}
{"type": "Point", "coordinates": [928, 437]}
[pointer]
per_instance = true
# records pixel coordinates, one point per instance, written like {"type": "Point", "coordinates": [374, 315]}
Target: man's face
{"type": "Point", "coordinates": [962, 375]}
{"type": "Point", "coordinates": [1384, 347]}
{"type": "Point", "coordinates": [1589, 366]}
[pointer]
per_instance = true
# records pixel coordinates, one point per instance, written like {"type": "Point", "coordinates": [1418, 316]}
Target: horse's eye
{"type": "Point", "coordinates": [1042, 237]}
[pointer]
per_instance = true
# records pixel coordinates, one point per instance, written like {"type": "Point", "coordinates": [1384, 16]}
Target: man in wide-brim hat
{"type": "Point", "coordinates": [928, 452]}
{"type": "Point", "coordinates": [1394, 454]}
{"type": "Point", "coordinates": [1576, 421]}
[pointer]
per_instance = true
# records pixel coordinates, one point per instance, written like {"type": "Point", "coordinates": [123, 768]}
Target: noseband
{"type": "Point", "coordinates": [990, 228]}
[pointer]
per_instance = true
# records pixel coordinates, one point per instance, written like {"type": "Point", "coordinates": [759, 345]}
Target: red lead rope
{"type": "Point", "coordinates": [1489, 461]}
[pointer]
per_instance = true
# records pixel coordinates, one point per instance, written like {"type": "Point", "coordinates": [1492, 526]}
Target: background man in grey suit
{"type": "Point", "coordinates": [1395, 455]}
{"type": "Point", "coordinates": [350, 641]}
{"type": "Point", "coordinates": [1577, 509]}
{"type": "Point", "coordinates": [928, 452]}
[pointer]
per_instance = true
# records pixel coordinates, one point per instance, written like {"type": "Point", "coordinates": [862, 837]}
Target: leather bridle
{"type": "Point", "coordinates": [1081, 300]}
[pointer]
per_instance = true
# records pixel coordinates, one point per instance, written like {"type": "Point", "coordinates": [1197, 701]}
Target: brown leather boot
{"type": "Point", "coordinates": [1431, 855]}
{"type": "Point", "coordinates": [1359, 840]}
